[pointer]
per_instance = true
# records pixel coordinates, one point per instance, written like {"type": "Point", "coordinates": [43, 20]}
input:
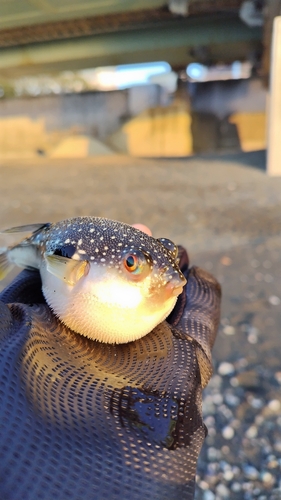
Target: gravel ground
{"type": "Point", "coordinates": [227, 212]}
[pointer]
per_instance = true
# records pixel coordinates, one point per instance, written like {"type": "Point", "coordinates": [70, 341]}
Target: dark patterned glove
{"type": "Point", "coordinates": [84, 420]}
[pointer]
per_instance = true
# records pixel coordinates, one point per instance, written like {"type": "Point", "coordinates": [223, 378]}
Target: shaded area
{"type": "Point", "coordinates": [254, 159]}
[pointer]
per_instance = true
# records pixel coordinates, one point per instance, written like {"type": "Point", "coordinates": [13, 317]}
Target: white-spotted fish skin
{"type": "Point", "coordinates": [104, 279]}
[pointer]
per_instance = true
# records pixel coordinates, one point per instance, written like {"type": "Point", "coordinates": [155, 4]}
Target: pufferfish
{"type": "Point", "coordinates": [103, 279]}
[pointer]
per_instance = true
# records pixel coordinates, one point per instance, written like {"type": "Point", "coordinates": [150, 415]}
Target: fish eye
{"type": "Point", "coordinates": [131, 263]}
{"type": "Point", "coordinates": [137, 263]}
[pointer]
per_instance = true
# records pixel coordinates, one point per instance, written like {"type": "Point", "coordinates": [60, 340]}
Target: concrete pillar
{"type": "Point", "coordinates": [274, 106]}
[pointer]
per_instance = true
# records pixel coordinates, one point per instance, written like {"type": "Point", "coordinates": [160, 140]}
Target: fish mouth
{"type": "Point", "coordinates": [174, 290]}
{"type": "Point", "coordinates": [174, 286]}
{"type": "Point", "coordinates": [177, 290]}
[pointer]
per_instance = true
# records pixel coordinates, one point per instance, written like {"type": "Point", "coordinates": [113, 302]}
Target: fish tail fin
{"type": "Point", "coordinates": [5, 265]}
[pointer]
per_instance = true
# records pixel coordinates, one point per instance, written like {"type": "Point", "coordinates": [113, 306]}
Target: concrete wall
{"type": "Point", "coordinates": [226, 97]}
{"type": "Point", "coordinates": [224, 116]}
{"type": "Point", "coordinates": [95, 113]}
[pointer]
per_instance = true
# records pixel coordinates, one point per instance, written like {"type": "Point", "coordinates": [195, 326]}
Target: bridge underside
{"type": "Point", "coordinates": [77, 35]}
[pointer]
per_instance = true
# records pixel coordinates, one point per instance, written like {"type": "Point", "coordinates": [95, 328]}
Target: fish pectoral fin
{"type": "Point", "coordinates": [5, 265]}
{"type": "Point", "coordinates": [68, 270]}
{"type": "Point", "coordinates": [31, 228]}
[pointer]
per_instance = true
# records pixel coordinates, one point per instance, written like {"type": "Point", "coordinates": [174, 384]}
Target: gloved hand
{"type": "Point", "coordinates": [80, 419]}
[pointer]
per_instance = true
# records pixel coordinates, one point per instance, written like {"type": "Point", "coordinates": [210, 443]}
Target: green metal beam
{"type": "Point", "coordinates": [223, 39]}
{"type": "Point", "coordinates": [28, 12]}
